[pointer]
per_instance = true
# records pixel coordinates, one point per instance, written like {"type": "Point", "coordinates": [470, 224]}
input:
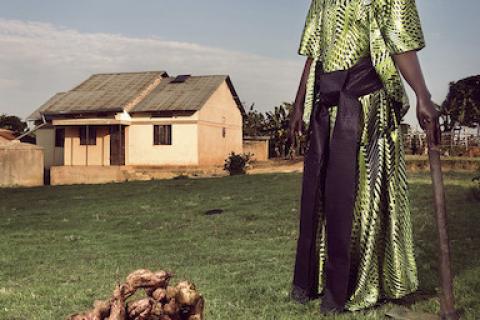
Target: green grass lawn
{"type": "Point", "coordinates": [63, 247]}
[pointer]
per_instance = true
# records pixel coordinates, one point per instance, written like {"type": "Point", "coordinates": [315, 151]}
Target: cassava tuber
{"type": "Point", "coordinates": [159, 294]}
{"type": "Point", "coordinates": [162, 301]}
{"type": "Point", "coordinates": [197, 309]}
{"type": "Point", "coordinates": [117, 311]}
{"type": "Point", "coordinates": [144, 278]}
{"type": "Point", "coordinates": [171, 292]}
{"type": "Point", "coordinates": [140, 309]}
{"type": "Point", "coordinates": [101, 310]}
{"type": "Point", "coordinates": [171, 308]}
{"type": "Point", "coordinates": [186, 293]}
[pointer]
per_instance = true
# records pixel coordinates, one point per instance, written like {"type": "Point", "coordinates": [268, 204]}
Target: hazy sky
{"type": "Point", "coordinates": [51, 45]}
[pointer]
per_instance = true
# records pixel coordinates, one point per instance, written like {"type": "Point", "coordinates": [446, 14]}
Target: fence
{"type": "Point", "coordinates": [452, 144]}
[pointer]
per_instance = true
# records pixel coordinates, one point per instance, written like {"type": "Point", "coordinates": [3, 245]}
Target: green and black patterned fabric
{"type": "Point", "coordinates": [338, 33]}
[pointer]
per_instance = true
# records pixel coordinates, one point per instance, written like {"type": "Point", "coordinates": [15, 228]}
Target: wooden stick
{"type": "Point", "coordinates": [447, 302]}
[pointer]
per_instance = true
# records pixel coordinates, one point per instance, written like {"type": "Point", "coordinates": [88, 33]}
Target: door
{"type": "Point", "coordinates": [117, 145]}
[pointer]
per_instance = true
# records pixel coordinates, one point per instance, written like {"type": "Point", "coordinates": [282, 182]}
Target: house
{"type": "Point", "coordinates": [141, 119]}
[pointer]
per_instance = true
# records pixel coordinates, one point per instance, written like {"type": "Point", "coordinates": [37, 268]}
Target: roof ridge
{"type": "Point", "coordinates": [201, 75]}
{"type": "Point", "coordinates": [131, 72]}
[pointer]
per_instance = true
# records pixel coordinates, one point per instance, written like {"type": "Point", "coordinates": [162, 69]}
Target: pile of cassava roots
{"type": "Point", "coordinates": [162, 301]}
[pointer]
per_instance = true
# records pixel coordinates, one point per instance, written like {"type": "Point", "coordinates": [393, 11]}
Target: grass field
{"type": "Point", "coordinates": [63, 247]}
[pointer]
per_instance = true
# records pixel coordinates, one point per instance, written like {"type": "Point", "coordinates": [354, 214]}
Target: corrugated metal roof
{"type": "Point", "coordinates": [101, 92]}
{"type": "Point", "coordinates": [36, 114]}
{"type": "Point", "coordinates": [110, 82]}
{"type": "Point", "coordinates": [135, 92]}
{"type": "Point", "coordinates": [190, 94]}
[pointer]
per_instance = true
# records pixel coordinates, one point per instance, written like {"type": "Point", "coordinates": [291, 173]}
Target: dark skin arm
{"type": "Point", "coordinates": [410, 68]}
{"type": "Point", "coordinates": [427, 114]}
{"type": "Point", "coordinates": [296, 123]}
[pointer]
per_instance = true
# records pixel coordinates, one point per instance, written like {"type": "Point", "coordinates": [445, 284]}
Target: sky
{"type": "Point", "coordinates": [50, 46]}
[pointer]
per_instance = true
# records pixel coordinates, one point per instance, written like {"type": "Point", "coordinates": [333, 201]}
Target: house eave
{"type": "Point", "coordinates": [81, 112]}
{"type": "Point", "coordinates": [90, 122]}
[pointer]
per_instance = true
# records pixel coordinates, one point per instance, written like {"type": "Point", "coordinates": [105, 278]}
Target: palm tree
{"type": "Point", "coordinates": [277, 126]}
{"type": "Point", "coordinates": [254, 122]}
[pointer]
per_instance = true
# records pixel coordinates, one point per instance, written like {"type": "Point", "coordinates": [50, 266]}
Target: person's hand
{"type": "Point", "coordinates": [428, 118]}
{"type": "Point", "coordinates": [296, 115]}
{"type": "Point", "coordinates": [296, 122]}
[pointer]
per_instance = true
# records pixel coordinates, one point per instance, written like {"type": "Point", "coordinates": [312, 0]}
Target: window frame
{"type": "Point", "coordinates": [92, 135]}
{"type": "Point", "coordinates": [158, 138]}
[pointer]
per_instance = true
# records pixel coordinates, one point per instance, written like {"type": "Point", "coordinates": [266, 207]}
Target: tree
{"type": "Point", "coordinates": [462, 105]}
{"type": "Point", "coordinates": [277, 126]}
{"type": "Point", "coordinates": [254, 122]}
{"type": "Point", "coordinates": [12, 123]}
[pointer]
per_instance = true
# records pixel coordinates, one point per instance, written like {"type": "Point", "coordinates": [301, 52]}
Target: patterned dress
{"type": "Point", "coordinates": [338, 33]}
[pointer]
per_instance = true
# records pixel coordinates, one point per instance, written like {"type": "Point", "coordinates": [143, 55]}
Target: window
{"type": "Point", "coordinates": [162, 134]}
{"type": "Point", "coordinates": [59, 137]}
{"type": "Point", "coordinates": [88, 138]}
{"type": "Point", "coordinates": [224, 132]}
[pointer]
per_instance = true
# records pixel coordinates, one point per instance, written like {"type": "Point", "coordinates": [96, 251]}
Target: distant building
{"type": "Point", "coordinates": [141, 119]}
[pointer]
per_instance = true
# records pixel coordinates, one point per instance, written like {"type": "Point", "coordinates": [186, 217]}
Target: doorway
{"type": "Point", "coordinates": [117, 145]}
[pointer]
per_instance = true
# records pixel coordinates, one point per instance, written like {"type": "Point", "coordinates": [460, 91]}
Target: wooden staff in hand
{"type": "Point", "coordinates": [428, 118]}
{"type": "Point", "coordinates": [447, 302]}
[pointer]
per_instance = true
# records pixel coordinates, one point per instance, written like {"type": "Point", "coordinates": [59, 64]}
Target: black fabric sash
{"type": "Point", "coordinates": [329, 179]}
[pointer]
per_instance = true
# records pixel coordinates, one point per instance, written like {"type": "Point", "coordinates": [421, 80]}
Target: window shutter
{"type": "Point", "coordinates": [155, 134]}
{"type": "Point", "coordinates": [83, 135]}
{"type": "Point", "coordinates": [162, 134]}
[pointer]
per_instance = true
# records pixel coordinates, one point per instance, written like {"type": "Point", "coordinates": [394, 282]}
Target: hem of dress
{"type": "Point", "coordinates": [381, 300]}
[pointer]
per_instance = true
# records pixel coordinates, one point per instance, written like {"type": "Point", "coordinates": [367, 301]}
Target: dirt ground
{"type": "Point", "coordinates": [414, 164]}
{"type": "Point", "coordinates": [276, 166]}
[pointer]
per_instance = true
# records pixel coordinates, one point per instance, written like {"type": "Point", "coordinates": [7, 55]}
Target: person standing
{"type": "Point", "coordinates": [355, 239]}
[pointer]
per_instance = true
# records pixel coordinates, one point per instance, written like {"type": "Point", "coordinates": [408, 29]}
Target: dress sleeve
{"type": "Point", "coordinates": [400, 26]}
{"type": "Point", "coordinates": [309, 41]}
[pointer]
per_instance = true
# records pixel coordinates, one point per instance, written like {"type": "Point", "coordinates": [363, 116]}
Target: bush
{"type": "Point", "coordinates": [237, 163]}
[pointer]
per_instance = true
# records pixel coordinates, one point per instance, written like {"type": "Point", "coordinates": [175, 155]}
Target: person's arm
{"type": "Point", "coordinates": [297, 113]}
{"type": "Point", "coordinates": [427, 114]}
{"type": "Point", "coordinates": [309, 47]}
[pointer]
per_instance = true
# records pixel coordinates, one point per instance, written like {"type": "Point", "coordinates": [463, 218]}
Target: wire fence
{"type": "Point", "coordinates": [452, 144]}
